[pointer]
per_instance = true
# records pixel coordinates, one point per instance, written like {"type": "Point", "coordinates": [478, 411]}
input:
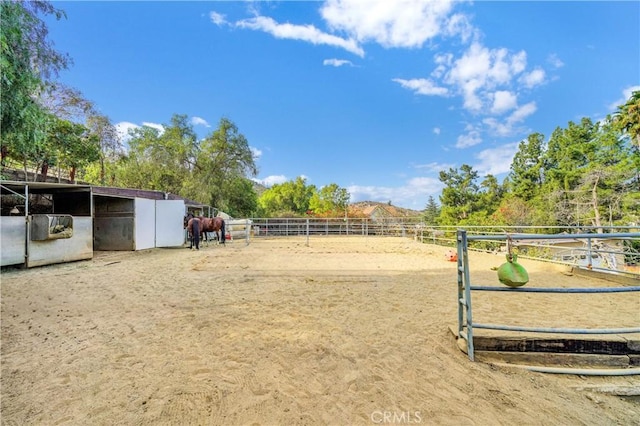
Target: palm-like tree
{"type": "Point", "coordinates": [628, 117]}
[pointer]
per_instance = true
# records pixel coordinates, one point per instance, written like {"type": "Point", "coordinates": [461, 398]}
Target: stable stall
{"type": "Point", "coordinates": [45, 223]}
{"type": "Point", "coordinates": [132, 219]}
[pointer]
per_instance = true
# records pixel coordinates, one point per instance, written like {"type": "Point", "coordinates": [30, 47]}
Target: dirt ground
{"type": "Point", "coordinates": [345, 331]}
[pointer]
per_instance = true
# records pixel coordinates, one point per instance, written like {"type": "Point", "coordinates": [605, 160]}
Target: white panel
{"type": "Point", "coordinates": [145, 223]}
{"type": "Point", "coordinates": [169, 223]}
{"type": "Point", "coordinates": [78, 247]}
{"type": "Point", "coordinates": [13, 232]}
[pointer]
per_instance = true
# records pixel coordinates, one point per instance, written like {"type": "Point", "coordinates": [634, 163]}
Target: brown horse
{"type": "Point", "coordinates": [194, 226]}
{"type": "Point", "coordinates": [214, 224]}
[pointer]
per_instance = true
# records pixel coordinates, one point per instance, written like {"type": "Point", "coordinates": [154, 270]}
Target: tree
{"type": "Point", "coordinates": [431, 212]}
{"type": "Point", "coordinates": [460, 194]}
{"type": "Point", "coordinates": [223, 157]}
{"type": "Point", "coordinates": [74, 146]}
{"type": "Point", "coordinates": [489, 196]}
{"type": "Point", "coordinates": [527, 167]}
{"type": "Point", "coordinates": [149, 163]}
{"type": "Point", "coordinates": [608, 179]}
{"type": "Point", "coordinates": [627, 118]}
{"type": "Point", "coordinates": [291, 197]}
{"type": "Point", "coordinates": [331, 199]}
{"type": "Point", "coordinates": [569, 151]}
{"type": "Point", "coordinates": [27, 62]}
{"type": "Point", "coordinates": [512, 212]}
{"type": "Point", "coordinates": [109, 141]}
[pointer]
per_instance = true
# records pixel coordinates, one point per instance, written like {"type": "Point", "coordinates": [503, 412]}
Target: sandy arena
{"type": "Point", "coordinates": [345, 331]}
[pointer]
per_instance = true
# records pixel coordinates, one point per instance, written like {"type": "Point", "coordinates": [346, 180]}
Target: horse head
{"type": "Point", "coordinates": [188, 216]}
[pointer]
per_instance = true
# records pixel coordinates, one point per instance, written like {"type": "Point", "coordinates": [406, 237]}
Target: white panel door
{"type": "Point", "coordinates": [169, 223]}
{"type": "Point", "coordinates": [145, 223]}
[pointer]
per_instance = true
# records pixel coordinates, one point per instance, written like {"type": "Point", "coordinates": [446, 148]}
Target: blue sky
{"type": "Point", "coordinates": [375, 96]}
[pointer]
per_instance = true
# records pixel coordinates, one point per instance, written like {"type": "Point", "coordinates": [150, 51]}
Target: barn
{"type": "Point", "coordinates": [67, 222]}
{"type": "Point", "coordinates": [44, 223]}
{"type": "Point", "coordinates": [133, 219]}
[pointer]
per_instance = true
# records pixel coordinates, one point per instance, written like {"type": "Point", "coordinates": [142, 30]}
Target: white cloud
{"type": "Point", "coordinates": [436, 130]}
{"type": "Point", "coordinates": [123, 129]}
{"type": "Point", "coordinates": [398, 23]}
{"type": "Point", "coordinates": [626, 94]}
{"type": "Point", "coordinates": [533, 78]}
{"type": "Point", "coordinates": [217, 18]}
{"type": "Point", "coordinates": [422, 86]}
{"type": "Point", "coordinates": [523, 112]}
{"type": "Point", "coordinates": [508, 126]}
{"type": "Point", "coordinates": [257, 153]}
{"type": "Point", "coordinates": [496, 160]}
{"type": "Point", "coordinates": [272, 180]}
{"type": "Point", "coordinates": [307, 33]}
{"type": "Point", "coordinates": [433, 167]}
{"type": "Point", "coordinates": [413, 194]}
{"type": "Point", "coordinates": [460, 25]}
{"type": "Point", "coordinates": [503, 101]}
{"type": "Point", "coordinates": [480, 70]}
{"type": "Point", "coordinates": [337, 62]}
{"type": "Point", "coordinates": [198, 121]}
{"type": "Point", "coordinates": [555, 61]}
{"type": "Point", "coordinates": [157, 126]}
{"type": "Point", "coordinates": [471, 138]}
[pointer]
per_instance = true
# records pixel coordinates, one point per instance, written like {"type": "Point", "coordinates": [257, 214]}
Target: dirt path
{"type": "Point", "coordinates": [345, 331]}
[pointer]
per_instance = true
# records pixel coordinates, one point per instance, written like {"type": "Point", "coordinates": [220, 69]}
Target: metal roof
{"type": "Point", "coordinates": [18, 188]}
{"type": "Point", "coordinates": [8, 186]}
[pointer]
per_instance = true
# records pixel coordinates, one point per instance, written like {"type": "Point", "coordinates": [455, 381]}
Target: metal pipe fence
{"type": "Point", "coordinates": [596, 250]}
{"type": "Point", "coordinates": [466, 324]}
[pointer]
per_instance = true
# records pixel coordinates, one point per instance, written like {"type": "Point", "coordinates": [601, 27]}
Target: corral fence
{"type": "Point", "coordinates": [599, 252]}
{"type": "Point", "coordinates": [287, 227]}
{"type": "Point", "coordinates": [466, 287]}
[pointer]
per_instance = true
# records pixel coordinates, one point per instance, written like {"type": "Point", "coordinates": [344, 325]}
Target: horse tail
{"type": "Point", "coordinates": [223, 231]}
{"type": "Point", "coordinates": [196, 233]}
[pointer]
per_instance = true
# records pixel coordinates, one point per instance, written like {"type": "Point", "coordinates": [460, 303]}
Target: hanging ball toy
{"type": "Point", "coordinates": [512, 273]}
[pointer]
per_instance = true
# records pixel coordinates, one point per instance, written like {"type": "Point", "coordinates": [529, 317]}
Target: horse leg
{"type": "Point", "coordinates": [223, 232]}
{"type": "Point", "coordinates": [196, 234]}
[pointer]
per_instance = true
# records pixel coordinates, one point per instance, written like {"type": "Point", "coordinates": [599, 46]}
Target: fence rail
{"type": "Point", "coordinates": [466, 324]}
{"type": "Point", "coordinates": [595, 248]}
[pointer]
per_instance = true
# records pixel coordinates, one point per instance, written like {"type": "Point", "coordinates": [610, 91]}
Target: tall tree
{"type": "Point", "coordinates": [223, 157]}
{"type": "Point", "coordinates": [291, 197]}
{"type": "Point", "coordinates": [27, 62]}
{"type": "Point", "coordinates": [331, 199]}
{"type": "Point", "coordinates": [460, 194]}
{"type": "Point", "coordinates": [109, 141]}
{"type": "Point", "coordinates": [569, 151]}
{"type": "Point", "coordinates": [568, 155]}
{"type": "Point", "coordinates": [609, 178]}
{"type": "Point", "coordinates": [164, 160]}
{"type": "Point", "coordinates": [431, 212]}
{"type": "Point", "coordinates": [527, 167]}
{"type": "Point", "coordinates": [627, 117]}
{"type": "Point", "coordinates": [489, 196]}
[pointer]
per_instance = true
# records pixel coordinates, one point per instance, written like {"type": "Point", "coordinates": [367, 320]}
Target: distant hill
{"type": "Point", "coordinates": [363, 206]}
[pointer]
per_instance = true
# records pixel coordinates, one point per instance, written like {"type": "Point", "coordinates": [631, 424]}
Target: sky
{"type": "Point", "coordinates": [375, 96]}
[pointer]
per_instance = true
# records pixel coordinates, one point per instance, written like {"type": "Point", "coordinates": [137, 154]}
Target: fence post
{"type": "Point", "coordinates": [307, 232]}
{"type": "Point", "coordinates": [464, 292]}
